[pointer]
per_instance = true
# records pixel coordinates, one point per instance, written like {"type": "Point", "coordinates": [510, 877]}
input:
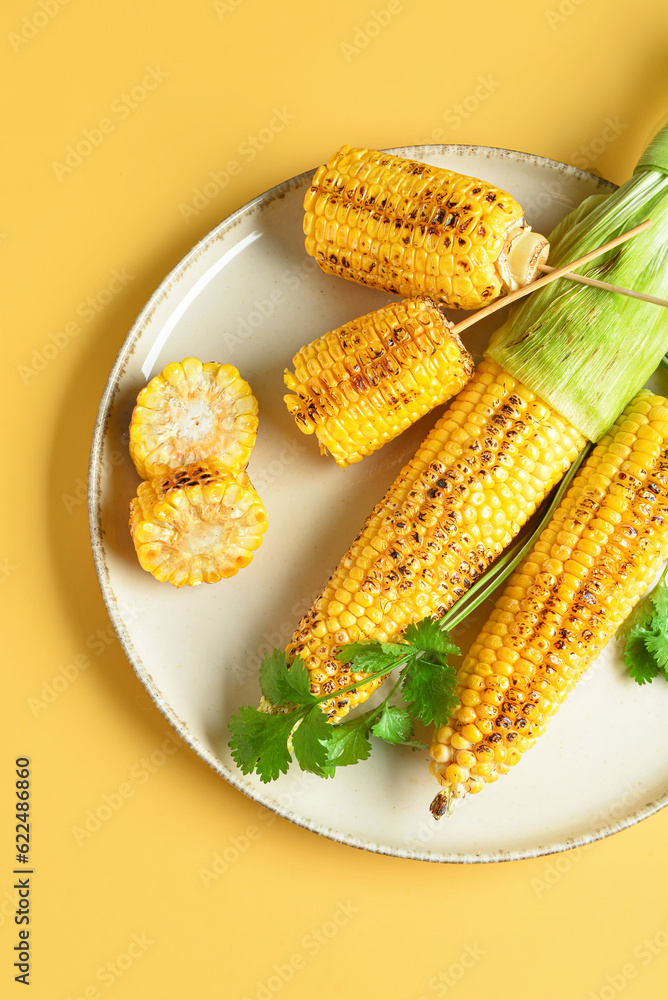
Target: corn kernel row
{"type": "Point", "coordinates": [409, 228]}
{"type": "Point", "coordinates": [361, 385]}
{"type": "Point", "coordinates": [597, 556]}
{"type": "Point", "coordinates": [479, 474]}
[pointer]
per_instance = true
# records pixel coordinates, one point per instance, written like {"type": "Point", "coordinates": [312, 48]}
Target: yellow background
{"type": "Point", "coordinates": [549, 78]}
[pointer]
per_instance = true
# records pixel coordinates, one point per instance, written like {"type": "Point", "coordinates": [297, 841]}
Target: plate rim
{"type": "Point", "coordinates": [97, 532]}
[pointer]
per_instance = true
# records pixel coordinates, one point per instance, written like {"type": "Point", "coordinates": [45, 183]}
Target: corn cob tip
{"type": "Point", "coordinates": [442, 805]}
{"type": "Point", "coordinates": [599, 553]}
{"type": "Point", "coordinates": [521, 257]}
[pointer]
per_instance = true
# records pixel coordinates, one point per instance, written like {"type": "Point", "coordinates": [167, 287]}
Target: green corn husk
{"type": "Point", "coordinates": [586, 351]}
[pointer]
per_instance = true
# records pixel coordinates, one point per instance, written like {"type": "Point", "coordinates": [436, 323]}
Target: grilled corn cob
{"type": "Point", "coordinates": [410, 228]}
{"type": "Point", "coordinates": [480, 473]}
{"type": "Point", "coordinates": [190, 412]}
{"type": "Point", "coordinates": [600, 551]}
{"type": "Point", "coordinates": [197, 524]}
{"type": "Point", "coordinates": [361, 385]}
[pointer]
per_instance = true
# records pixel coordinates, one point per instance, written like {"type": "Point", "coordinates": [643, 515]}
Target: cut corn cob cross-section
{"type": "Point", "coordinates": [198, 524]}
{"type": "Point", "coordinates": [477, 477]}
{"type": "Point", "coordinates": [364, 383]}
{"type": "Point", "coordinates": [411, 228]}
{"type": "Point", "coordinates": [190, 412]}
{"type": "Point", "coordinates": [600, 551]}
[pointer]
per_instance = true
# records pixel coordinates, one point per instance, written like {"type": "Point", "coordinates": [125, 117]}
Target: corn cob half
{"type": "Point", "coordinates": [600, 551]}
{"type": "Point", "coordinates": [190, 412]}
{"type": "Point", "coordinates": [364, 383]}
{"type": "Point", "coordinates": [411, 228]}
{"type": "Point", "coordinates": [480, 473]}
{"type": "Point", "coordinates": [197, 524]}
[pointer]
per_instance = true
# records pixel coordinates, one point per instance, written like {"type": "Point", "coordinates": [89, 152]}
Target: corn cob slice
{"type": "Point", "coordinates": [410, 228]}
{"type": "Point", "coordinates": [197, 524]}
{"type": "Point", "coordinates": [364, 383]}
{"type": "Point", "coordinates": [190, 412]}
{"type": "Point", "coordinates": [599, 553]}
{"type": "Point", "coordinates": [480, 473]}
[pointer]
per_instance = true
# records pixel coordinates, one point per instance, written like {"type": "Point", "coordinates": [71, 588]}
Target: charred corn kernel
{"type": "Point", "coordinates": [417, 533]}
{"type": "Point", "coordinates": [197, 524]}
{"type": "Point", "coordinates": [410, 228]}
{"type": "Point", "coordinates": [558, 640]}
{"type": "Point", "coordinates": [190, 412]}
{"type": "Point", "coordinates": [361, 385]}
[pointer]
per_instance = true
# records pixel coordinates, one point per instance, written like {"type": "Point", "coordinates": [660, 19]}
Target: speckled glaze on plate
{"type": "Point", "coordinates": [249, 295]}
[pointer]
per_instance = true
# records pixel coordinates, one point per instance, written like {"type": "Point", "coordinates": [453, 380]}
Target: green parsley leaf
{"type": "Point", "coordinates": [657, 644]}
{"type": "Point", "coordinates": [646, 635]}
{"type": "Point", "coordinates": [639, 660]}
{"type": "Point", "coordinates": [659, 597]}
{"type": "Point", "coordinates": [348, 742]}
{"type": "Point", "coordinates": [396, 726]}
{"type": "Point", "coordinates": [260, 741]}
{"type": "Point", "coordinates": [429, 689]}
{"type": "Point", "coordinates": [370, 656]}
{"type": "Point", "coordinates": [282, 684]}
{"type": "Point", "coordinates": [310, 742]}
{"type": "Point", "coordinates": [429, 635]}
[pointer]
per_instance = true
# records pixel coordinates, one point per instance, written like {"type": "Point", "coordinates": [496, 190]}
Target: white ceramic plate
{"type": "Point", "coordinates": [248, 294]}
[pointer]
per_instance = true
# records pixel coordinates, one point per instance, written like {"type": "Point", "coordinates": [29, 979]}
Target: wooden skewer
{"type": "Point", "coordinates": [583, 279]}
{"type": "Point", "coordinates": [559, 272]}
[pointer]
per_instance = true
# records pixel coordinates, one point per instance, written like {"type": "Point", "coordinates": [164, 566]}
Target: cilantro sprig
{"type": "Point", "coordinates": [645, 633]}
{"type": "Point", "coordinates": [264, 742]}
